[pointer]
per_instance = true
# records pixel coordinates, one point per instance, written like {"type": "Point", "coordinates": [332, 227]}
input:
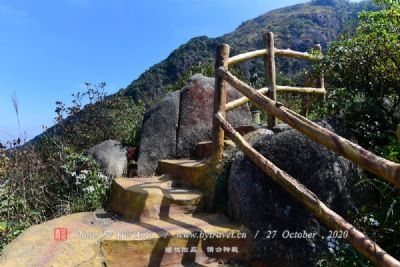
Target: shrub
{"type": "Point", "coordinates": [102, 118]}
{"type": "Point", "coordinates": [364, 71]}
{"type": "Point", "coordinates": [367, 69]}
{"type": "Point", "coordinates": [54, 177]}
{"type": "Point", "coordinates": [45, 182]}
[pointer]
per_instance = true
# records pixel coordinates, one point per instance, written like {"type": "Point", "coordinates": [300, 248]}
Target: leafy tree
{"type": "Point", "coordinates": [364, 71]}
{"type": "Point", "coordinates": [367, 66]}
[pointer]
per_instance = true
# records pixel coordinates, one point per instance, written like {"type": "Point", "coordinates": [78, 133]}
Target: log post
{"type": "Point", "coordinates": [270, 73]}
{"type": "Point", "coordinates": [221, 60]}
{"type": "Point", "coordinates": [321, 80]}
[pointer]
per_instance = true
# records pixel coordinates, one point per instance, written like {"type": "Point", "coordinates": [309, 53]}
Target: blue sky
{"type": "Point", "coordinates": [49, 48]}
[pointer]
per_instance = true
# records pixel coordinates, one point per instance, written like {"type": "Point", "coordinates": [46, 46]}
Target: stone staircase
{"type": "Point", "coordinates": [153, 221]}
{"type": "Point", "coordinates": [152, 198]}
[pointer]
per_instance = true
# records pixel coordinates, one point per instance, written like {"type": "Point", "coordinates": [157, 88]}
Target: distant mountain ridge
{"type": "Point", "coordinates": [297, 27]}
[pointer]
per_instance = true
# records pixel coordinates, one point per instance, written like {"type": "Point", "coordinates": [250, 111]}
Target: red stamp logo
{"type": "Point", "coordinates": [60, 234]}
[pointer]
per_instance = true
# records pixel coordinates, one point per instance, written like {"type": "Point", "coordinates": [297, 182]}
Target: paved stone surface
{"type": "Point", "coordinates": [95, 239]}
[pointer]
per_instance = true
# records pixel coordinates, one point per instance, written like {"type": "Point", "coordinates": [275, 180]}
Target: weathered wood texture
{"type": "Point", "coordinates": [247, 56]}
{"type": "Point", "coordinates": [221, 60]}
{"type": "Point", "coordinates": [300, 90]}
{"type": "Point", "coordinates": [279, 89]}
{"type": "Point", "coordinates": [243, 100]}
{"type": "Point", "coordinates": [384, 168]}
{"type": "Point", "coordinates": [278, 52]}
{"type": "Point", "coordinates": [321, 80]}
{"type": "Point", "coordinates": [270, 73]}
{"type": "Point", "coordinates": [357, 239]}
{"type": "Point", "coordinates": [294, 54]}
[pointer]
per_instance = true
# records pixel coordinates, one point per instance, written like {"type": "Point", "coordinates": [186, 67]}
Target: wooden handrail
{"type": "Point", "coordinates": [279, 89]}
{"type": "Point", "coordinates": [242, 101]}
{"type": "Point", "coordinates": [300, 90]}
{"type": "Point", "coordinates": [294, 54]}
{"type": "Point", "coordinates": [384, 168]}
{"type": "Point", "coordinates": [247, 56]}
{"type": "Point", "coordinates": [357, 239]}
{"type": "Point", "coordinates": [388, 170]}
{"type": "Point", "coordinates": [278, 52]}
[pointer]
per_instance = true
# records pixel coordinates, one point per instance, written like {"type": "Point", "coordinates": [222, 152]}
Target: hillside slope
{"type": "Point", "coordinates": [298, 27]}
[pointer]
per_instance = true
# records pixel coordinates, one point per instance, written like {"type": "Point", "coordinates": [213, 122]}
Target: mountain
{"type": "Point", "coordinates": [297, 27]}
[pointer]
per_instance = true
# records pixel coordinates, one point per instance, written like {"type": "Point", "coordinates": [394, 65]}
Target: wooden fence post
{"type": "Point", "coordinates": [270, 73]}
{"type": "Point", "coordinates": [321, 80]}
{"type": "Point", "coordinates": [221, 60]}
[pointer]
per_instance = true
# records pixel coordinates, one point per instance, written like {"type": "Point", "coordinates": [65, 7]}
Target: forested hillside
{"type": "Point", "coordinates": [298, 27]}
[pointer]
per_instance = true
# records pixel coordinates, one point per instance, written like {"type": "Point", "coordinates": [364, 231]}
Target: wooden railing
{"type": "Point", "coordinates": [388, 170]}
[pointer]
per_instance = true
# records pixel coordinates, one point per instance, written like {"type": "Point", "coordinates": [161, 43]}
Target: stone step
{"type": "Point", "coordinates": [99, 239]}
{"type": "Point", "coordinates": [142, 199]}
{"type": "Point", "coordinates": [204, 149]}
{"type": "Point", "coordinates": [193, 173]}
{"type": "Point", "coordinates": [185, 171]}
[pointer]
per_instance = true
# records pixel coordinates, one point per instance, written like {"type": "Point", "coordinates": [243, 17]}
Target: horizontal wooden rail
{"type": "Point", "coordinates": [384, 168]}
{"type": "Point", "coordinates": [300, 90]}
{"type": "Point", "coordinates": [243, 100]}
{"type": "Point", "coordinates": [357, 239]}
{"type": "Point", "coordinates": [288, 53]}
{"type": "Point", "coordinates": [280, 89]}
{"type": "Point", "coordinates": [247, 56]}
{"type": "Point", "coordinates": [294, 54]}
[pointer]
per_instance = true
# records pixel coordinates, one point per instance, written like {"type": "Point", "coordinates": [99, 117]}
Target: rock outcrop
{"type": "Point", "coordinates": [173, 127]}
{"type": "Point", "coordinates": [158, 138]}
{"type": "Point", "coordinates": [112, 157]}
{"type": "Point", "coordinates": [196, 111]}
{"type": "Point", "coordinates": [264, 207]}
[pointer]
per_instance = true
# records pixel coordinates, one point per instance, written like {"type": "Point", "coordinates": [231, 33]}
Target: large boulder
{"type": "Point", "coordinates": [196, 111]}
{"type": "Point", "coordinates": [158, 137]}
{"type": "Point", "coordinates": [173, 127]}
{"type": "Point", "coordinates": [264, 207]}
{"type": "Point", "coordinates": [112, 157]}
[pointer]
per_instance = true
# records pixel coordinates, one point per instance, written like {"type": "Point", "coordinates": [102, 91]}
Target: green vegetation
{"type": "Point", "coordinates": [45, 182]}
{"type": "Point", "coordinates": [102, 118]}
{"type": "Point", "coordinates": [365, 69]}
{"type": "Point", "coordinates": [53, 176]}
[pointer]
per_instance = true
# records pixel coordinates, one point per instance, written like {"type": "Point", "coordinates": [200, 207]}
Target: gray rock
{"type": "Point", "coordinates": [158, 137]}
{"type": "Point", "coordinates": [111, 156]}
{"type": "Point", "coordinates": [281, 128]}
{"type": "Point", "coordinates": [256, 135]}
{"type": "Point", "coordinates": [196, 108]}
{"type": "Point", "coordinates": [262, 205]}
